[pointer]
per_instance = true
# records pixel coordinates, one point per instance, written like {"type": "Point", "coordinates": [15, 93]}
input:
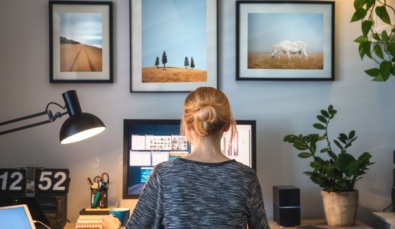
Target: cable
{"type": "Point", "coordinates": [36, 221]}
{"type": "Point", "coordinates": [385, 209]}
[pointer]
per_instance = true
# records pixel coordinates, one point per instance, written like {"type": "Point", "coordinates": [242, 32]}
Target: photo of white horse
{"type": "Point", "coordinates": [285, 41]}
{"type": "Point", "coordinates": [290, 47]}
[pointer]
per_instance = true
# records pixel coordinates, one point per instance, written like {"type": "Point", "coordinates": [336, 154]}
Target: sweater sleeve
{"type": "Point", "coordinates": [149, 209]}
{"type": "Point", "coordinates": [257, 214]}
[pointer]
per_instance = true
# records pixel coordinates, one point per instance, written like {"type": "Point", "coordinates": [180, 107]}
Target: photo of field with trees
{"type": "Point", "coordinates": [163, 74]}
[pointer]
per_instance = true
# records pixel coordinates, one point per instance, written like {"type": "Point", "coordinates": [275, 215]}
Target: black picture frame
{"type": "Point", "coordinates": [177, 32]}
{"type": "Point", "coordinates": [80, 35]}
{"type": "Point", "coordinates": [285, 40]}
{"type": "Point", "coordinates": [143, 140]}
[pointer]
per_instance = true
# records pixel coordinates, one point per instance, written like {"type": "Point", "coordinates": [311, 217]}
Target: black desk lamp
{"type": "Point", "coordinates": [77, 127]}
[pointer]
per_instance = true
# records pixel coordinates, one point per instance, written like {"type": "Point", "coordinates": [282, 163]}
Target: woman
{"type": "Point", "coordinates": [204, 189]}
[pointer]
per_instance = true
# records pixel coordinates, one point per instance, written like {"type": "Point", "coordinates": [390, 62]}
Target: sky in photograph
{"type": "Point", "coordinates": [85, 28]}
{"type": "Point", "coordinates": [177, 27]}
{"type": "Point", "coordinates": [267, 29]}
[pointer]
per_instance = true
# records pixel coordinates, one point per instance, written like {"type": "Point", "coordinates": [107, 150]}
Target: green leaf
{"type": "Point", "coordinates": [319, 126]}
{"type": "Point", "coordinates": [366, 26]}
{"type": "Point", "coordinates": [381, 12]}
{"type": "Point", "coordinates": [331, 110]}
{"type": "Point", "coordinates": [305, 155]}
{"type": "Point", "coordinates": [324, 150]}
{"type": "Point", "coordinates": [373, 72]}
{"type": "Point", "coordinates": [322, 119]}
{"type": "Point", "coordinates": [378, 51]}
{"type": "Point", "coordinates": [378, 78]}
{"type": "Point", "coordinates": [391, 49]}
{"type": "Point", "coordinates": [360, 39]}
{"type": "Point", "coordinates": [351, 134]}
{"type": "Point", "coordinates": [384, 36]}
{"type": "Point", "coordinates": [300, 147]}
{"type": "Point", "coordinates": [359, 14]}
{"type": "Point", "coordinates": [325, 113]}
{"type": "Point", "coordinates": [289, 138]}
{"type": "Point", "coordinates": [358, 4]}
{"type": "Point", "coordinates": [343, 137]}
{"type": "Point", "coordinates": [376, 36]}
{"type": "Point", "coordinates": [338, 144]}
{"type": "Point", "coordinates": [385, 69]}
{"type": "Point", "coordinates": [364, 49]}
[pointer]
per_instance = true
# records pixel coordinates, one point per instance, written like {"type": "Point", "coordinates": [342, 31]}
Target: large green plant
{"type": "Point", "coordinates": [331, 171]}
{"type": "Point", "coordinates": [376, 45]}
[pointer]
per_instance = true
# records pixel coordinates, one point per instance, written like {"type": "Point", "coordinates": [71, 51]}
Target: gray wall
{"type": "Point", "coordinates": [280, 108]}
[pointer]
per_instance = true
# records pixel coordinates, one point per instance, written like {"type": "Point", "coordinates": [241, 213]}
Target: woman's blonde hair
{"type": "Point", "coordinates": [206, 112]}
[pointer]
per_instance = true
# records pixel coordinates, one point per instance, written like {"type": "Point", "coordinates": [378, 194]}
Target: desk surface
{"type": "Point", "coordinates": [387, 217]}
{"type": "Point", "coordinates": [317, 224]}
{"type": "Point", "coordinates": [306, 223]}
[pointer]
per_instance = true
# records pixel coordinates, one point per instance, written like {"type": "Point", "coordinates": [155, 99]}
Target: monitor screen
{"type": "Point", "coordinates": [150, 142]}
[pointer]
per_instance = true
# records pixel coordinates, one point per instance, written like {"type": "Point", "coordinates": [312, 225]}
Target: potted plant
{"type": "Point", "coordinates": [376, 43]}
{"type": "Point", "coordinates": [335, 172]}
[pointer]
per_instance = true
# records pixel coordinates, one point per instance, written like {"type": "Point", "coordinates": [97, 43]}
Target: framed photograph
{"type": "Point", "coordinates": [80, 35]}
{"type": "Point", "coordinates": [173, 45]}
{"type": "Point", "coordinates": [148, 142]}
{"type": "Point", "coordinates": [285, 40]}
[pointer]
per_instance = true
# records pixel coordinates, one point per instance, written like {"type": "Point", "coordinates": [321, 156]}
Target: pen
{"type": "Point", "coordinates": [88, 181]}
{"type": "Point", "coordinates": [96, 199]}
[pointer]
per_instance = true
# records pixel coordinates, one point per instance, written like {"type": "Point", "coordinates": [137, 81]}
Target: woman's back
{"type": "Point", "coordinates": [190, 194]}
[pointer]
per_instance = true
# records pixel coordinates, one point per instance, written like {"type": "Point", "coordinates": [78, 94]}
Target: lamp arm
{"type": "Point", "coordinates": [51, 118]}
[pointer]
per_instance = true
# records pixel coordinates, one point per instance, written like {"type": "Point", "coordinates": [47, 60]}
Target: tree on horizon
{"type": "Point", "coordinates": [157, 62]}
{"type": "Point", "coordinates": [186, 62]}
{"type": "Point", "coordinates": [192, 63]}
{"type": "Point", "coordinates": [164, 59]}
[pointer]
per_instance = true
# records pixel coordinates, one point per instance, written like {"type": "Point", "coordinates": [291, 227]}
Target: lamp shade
{"type": "Point", "coordinates": [79, 125]}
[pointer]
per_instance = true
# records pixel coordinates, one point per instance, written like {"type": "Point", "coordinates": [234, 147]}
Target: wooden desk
{"type": "Point", "coordinates": [317, 224]}
{"type": "Point", "coordinates": [69, 226]}
{"type": "Point", "coordinates": [305, 223]}
{"type": "Point", "coordinates": [386, 220]}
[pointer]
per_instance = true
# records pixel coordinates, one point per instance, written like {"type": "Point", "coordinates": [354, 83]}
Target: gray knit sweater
{"type": "Point", "coordinates": [188, 194]}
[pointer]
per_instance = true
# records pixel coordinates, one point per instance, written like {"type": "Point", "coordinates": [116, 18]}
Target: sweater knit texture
{"type": "Point", "coordinates": [189, 194]}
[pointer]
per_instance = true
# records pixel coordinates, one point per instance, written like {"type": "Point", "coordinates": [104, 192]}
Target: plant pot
{"type": "Point", "coordinates": [340, 207]}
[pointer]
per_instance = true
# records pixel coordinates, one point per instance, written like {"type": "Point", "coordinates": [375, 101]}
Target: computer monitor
{"type": "Point", "coordinates": [149, 142]}
{"type": "Point", "coordinates": [16, 217]}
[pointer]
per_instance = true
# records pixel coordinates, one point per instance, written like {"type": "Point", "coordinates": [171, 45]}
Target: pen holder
{"type": "Point", "coordinates": [99, 198]}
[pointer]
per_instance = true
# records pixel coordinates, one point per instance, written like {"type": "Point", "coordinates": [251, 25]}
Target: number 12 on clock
{"type": "Point", "coordinates": [12, 180]}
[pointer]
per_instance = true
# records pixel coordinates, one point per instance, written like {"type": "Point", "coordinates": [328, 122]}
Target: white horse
{"type": "Point", "coordinates": [290, 47]}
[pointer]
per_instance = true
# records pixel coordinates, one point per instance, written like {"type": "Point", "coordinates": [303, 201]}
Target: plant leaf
{"type": "Point", "coordinates": [358, 4]}
{"type": "Point", "coordinates": [322, 119]}
{"type": "Point", "coordinates": [305, 155]}
{"type": "Point", "coordinates": [319, 126]}
{"type": "Point", "coordinates": [359, 14]}
{"type": "Point", "coordinates": [378, 51]}
{"type": "Point", "coordinates": [338, 144]}
{"type": "Point", "coordinates": [360, 39]}
{"type": "Point", "coordinates": [381, 12]}
{"type": "Point", "coordinates": [351, 134]}
{"type": "Point", "coordinates": [325, 113]}
{"type": "Point", "coordinates": [391, 49]}
{"type": "Point", "coordinates": [366, 26]}
{"type": "Point", "coordinates": [385, 69]}
{"type": "Point", "coordinates": [373, 72]}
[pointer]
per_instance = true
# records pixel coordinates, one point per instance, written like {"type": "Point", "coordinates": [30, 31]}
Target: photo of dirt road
{"type": "Point", "coordinates": [80, 58]}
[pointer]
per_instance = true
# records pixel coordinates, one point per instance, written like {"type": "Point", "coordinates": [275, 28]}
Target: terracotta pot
{"type": "Point", "coordinates": [340, 207]}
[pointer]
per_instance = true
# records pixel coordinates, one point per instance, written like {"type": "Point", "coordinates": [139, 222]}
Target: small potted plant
{"type": "Point", "coordinates": [335, 173]}
{"type": "Point", "coordinates": [376, 43]}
